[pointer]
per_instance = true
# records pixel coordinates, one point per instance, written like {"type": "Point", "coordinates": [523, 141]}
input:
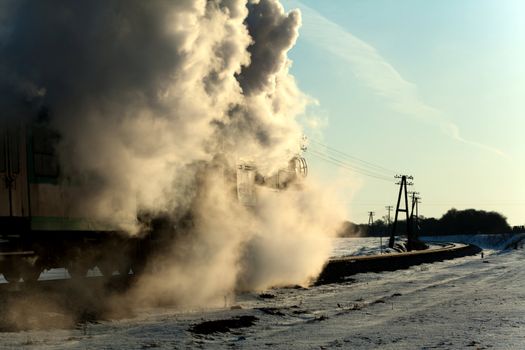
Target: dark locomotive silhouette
{"type": "Point", "coordinates": [40, 230]}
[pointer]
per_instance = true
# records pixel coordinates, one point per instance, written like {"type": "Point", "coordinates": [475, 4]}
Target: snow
{"type": "Point", "coordinates": [371, 245]}
{"type": "Point", "coordinates": [359, 246]}
{"type": "Point", "coordinates": [492, 243]}
{"type": "Point", "coordinates": [469, 302]}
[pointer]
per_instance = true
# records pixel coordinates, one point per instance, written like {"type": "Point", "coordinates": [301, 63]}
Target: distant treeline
{"type": "Point", "coordinates": [469, 221]}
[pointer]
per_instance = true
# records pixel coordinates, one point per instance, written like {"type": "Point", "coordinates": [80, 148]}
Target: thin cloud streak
{"type": "Point", "coordinates": [377, 73]}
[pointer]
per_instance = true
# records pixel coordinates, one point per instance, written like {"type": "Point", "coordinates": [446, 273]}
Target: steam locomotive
{"type": "Point", "coordinates": [40, 231]}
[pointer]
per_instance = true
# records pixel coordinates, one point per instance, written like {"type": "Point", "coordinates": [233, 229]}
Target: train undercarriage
{"type": "Point", "coordinates": [24, 256]}
{"type": "Point", "coordinates": [40, 230]}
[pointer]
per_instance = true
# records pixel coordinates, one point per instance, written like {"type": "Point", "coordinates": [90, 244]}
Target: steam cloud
{"type": "Point", "coordinates": [145, 92]}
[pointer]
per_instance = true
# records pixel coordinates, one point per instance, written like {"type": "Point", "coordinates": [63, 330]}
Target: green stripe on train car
{"type": "Point", "coordinates": [51, 223]}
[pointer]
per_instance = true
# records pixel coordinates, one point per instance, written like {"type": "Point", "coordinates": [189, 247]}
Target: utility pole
{"type": "Point", "coordinates": [414, 201]}
{"type": "Point", "coordinates": [414, 219]}
{"type": "Point", "coordinates": [402, 188]}
{"type": "Point", "coordinates": [389, 208]}
{"type": "Point", "coordinates": [417, 200]}
{"type": "Point", "coordinates": [371, 222]}
{"type": "Point", "coordinates": [371, 218]}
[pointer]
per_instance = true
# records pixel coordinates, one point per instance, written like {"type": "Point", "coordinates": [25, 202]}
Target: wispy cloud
{"type": "Point", "coordinates": [374, 71]}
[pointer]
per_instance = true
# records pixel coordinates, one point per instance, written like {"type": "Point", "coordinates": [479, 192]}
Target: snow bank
{"type": "Point", "coordinates": [490, 242]}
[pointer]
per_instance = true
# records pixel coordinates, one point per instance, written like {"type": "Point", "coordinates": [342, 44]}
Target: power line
{"type": "Point", "coordinates": [349, 165]}
{"type": "Point", "coordinates": [352, 158]}
{"type": "Point", "coordinates": [348, 162]}
{"type": "Point", "coordinates": [344, 165]}
{"type": "Point", "coordinates": [364, 163]}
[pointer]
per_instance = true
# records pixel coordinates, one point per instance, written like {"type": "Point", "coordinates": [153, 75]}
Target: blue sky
{"type": "Point", "coordinates": [435, 89]}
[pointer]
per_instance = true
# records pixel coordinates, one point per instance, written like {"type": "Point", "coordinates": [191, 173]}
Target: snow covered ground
{"type": "Point", "coordinates": [469, 303]}
{"type": "Point", "coordinates": [492, 243]}
{"type": "Point", "coordinates": [371, 245]}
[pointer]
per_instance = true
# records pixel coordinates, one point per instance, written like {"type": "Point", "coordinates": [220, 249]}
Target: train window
{"type": "Point", "coordinates": [14, 152]}
{"type": "Point", "coordinates": [44, 155]}
{"type": "Point", "coordinates": [3, 164]}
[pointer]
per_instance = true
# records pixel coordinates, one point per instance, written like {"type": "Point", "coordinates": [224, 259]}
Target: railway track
{"type": "Point", "coordinates": [335, 270]}
{"type": "Point", "coordinates": [70, 302]}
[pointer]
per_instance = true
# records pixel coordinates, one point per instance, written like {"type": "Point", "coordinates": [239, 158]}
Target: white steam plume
{"type": "Point", "coordinates": [142, 92]}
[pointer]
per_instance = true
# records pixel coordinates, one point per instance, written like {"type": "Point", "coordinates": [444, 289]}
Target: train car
{"type": "Point", "coordinates": [39, 228]}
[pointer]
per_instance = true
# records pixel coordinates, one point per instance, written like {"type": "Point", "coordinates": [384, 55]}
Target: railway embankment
{"type": "Point", "coordinates": [339, 269]}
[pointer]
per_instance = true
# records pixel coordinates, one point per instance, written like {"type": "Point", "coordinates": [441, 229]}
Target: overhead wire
{"type": "Point", "coordinates": [349, 167]}
{"type": "Point", "coordinates": [363, 163]}
{"type": "Point", "coordinates": [348, 162]}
